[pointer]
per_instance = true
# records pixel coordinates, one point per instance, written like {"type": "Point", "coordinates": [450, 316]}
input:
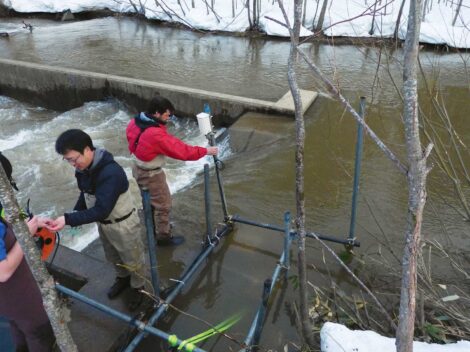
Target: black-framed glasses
{"type": "Point", "coordinates": [72, 160]}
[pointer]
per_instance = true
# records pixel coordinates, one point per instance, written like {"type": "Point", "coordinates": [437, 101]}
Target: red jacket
{"type": "Point", "coordinates": [156, 140]}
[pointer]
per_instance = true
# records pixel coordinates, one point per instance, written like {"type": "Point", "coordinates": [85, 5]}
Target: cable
{"type": "Point", "coordinates": [57, 243]}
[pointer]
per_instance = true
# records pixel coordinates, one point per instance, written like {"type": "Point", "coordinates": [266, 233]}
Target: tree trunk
{"type": "Point", "coordinates": [417, 173]}
{"type": "Point", "coordinates": [372, 27]}
{"type": "Point", "coordinates": [397, 24]}
{"type": "Point", "coordinates": [249, 14]}
{"type": "Point", "coordinates": [307, 330]}
{"type": "Point", "coordinates": [33, 258]}
{"type": "Point", "coordinates": [304, 12]}
{"type": "Point", "coordinates": [457, 11]}
{"type": "Point", "coordinates": [321, 18]}
{"type": "Point", "coordinates": [255, 18]}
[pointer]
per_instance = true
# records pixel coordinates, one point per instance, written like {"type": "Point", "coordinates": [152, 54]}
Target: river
{"type": "Point", "coordinates": [259, 181]}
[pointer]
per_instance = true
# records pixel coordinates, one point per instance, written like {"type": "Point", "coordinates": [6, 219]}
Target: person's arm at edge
{"type": "Point", "coordinates": [9, 265]}
{"type": "Point", "coordinates": [14, 256]}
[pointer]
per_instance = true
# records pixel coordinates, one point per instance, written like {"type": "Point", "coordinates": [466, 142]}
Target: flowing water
{"type": "Point", "coordinates": [259, 181]}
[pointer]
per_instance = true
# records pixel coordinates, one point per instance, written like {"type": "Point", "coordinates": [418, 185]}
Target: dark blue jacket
{"type": "Point", "coordinates": [106, 180]}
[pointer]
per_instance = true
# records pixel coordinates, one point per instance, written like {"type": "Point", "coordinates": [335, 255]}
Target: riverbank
{"type": "Point", "coordinates": [345, 22]}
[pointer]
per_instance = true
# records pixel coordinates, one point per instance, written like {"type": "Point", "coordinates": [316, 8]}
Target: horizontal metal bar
{"type": "Point", "coordinates": [237, 218]}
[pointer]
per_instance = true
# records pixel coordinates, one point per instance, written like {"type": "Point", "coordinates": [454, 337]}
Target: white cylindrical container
{"type": "Point", "coordinates": [204, 122]}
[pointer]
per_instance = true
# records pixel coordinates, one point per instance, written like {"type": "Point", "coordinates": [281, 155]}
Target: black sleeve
{"type": "Point", "coordinates": [80, 205]}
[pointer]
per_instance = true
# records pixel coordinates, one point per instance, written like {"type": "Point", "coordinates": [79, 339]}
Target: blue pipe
{"type": "Point", "coordinates": [114, 313]}
{"type": "Point", "coordinates": [256, 325]}
{"type": "Point", "coordinates": [151, 241]}
{"type": "Point", "coordinates": [357, 169]}
{"type": "Point", "coordinates": [207, 202]}
{"type": "Point", "coordinates": [185, 277]}
{"type": "Point", "coordinates": [287, 239]}
{"type": "Point", "coordinates": [218, 164]}
{"type": "Point", "coordinates": [262, 312]}
{"type": "Point", "coordinates": [237, 218]}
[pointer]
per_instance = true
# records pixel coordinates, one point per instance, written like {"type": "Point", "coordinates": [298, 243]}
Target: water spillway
{"type": "Point", "coordinates": [64, 88]}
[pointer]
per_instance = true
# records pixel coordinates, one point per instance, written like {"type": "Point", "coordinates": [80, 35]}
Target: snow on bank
{"type": "Point", "coordinates": [350, 18]}
{"type": "Point", "coordinates": [338, 338]}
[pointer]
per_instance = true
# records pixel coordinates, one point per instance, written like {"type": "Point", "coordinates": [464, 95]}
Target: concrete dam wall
{"type": "Point", "coordinates": [62, 89]}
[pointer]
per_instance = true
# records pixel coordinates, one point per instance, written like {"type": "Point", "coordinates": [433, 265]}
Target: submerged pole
{"type": "Point", "coordinates": [149, 226]}
{"type": "Point", "coordinates": [199, 260]}
{"type": "Point", "coordinates": [129, 320]}
{"type": "Point", "coordinates": [254, 334]}
{"type": "Point", "coordinates": [357, 169]}
{"type": "Point", "coordinates": [262, 312]}
{"type": "Point", "coordinates": [287, 235]}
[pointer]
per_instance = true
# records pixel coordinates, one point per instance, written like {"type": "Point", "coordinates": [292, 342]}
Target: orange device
{"type": "Point", "coordinates": [45, 240]}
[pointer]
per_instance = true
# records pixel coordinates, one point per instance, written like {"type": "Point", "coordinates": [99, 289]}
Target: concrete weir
{"type": "Point", "coordinates": [62, 89]}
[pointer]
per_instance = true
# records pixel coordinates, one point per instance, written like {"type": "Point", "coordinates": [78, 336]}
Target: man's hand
{"type": "Point", "coordinates": [45, 222]}
{"type": "Point", "coordinates": [212, 150]}
{"type": "Point", "coordinates": [57, 224]}
{"type": "Point", "coordinates": [33, 225]}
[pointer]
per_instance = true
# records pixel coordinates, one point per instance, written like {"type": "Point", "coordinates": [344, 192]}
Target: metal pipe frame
{"type": "Point", "coordinates": [179, 286]}
{"type": "Point", "coordinates": [114, 313]}
{"type": "Point", "coordinates": [357, 169]}
{"type": "Point", "coordinates": [218, 163]}
{"type": "Point", "coordinates": [207, 201]}
{"type": "Point", "coordinates": [258, 321]}
{"type": "Point", "coordinates": [149, 225]}
{"type": "Point", "coordinates": [239, 219]}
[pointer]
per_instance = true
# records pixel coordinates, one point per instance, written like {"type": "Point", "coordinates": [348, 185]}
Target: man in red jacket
{"type": "Point", "coordinates": [149, 143]}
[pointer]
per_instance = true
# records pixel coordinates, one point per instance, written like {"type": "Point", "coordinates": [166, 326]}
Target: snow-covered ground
{"type": "Point", "coordinates": [338, 338]}
{"type": "Point", "coordinates": [351, 18]}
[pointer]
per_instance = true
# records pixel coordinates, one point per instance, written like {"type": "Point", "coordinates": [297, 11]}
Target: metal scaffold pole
{"type": "Point", "coordinates": [149, 226]}
{"type": "Point", "coordinates": [357, 170]}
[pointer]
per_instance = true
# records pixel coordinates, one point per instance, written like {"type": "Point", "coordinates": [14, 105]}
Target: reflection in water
{"type": "Point", "coordinates": [259, 182]}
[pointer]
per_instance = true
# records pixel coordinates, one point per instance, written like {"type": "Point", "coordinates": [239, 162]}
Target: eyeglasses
{"type": "Point", "coordinates": [72, 160]}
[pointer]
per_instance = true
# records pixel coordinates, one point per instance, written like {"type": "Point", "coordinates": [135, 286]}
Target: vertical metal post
{"type": "Point", "coordinates": [286, 239]}
{"type": "Point", "coordinates": [207, 202]}
{"type": "Point", "coordinates": [219, 178]}
{"type": "Point", "coordinates": [149, 225]}
{"type": "Point", "coordinates": [357, 169]}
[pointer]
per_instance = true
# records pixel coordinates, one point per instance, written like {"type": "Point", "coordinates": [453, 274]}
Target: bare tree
{"type": "Point", "coordinates": [321, 18]}
{"type": "Point", "coordinates": [44, 280]}
{"type": "Point", "coordinates": [397, 23]}
{"type": "Point", "coordinates": [416, 175]}
{"type": "Point", "coordinates": [307, 331]}
{"type": "Point", "coordinates": [457, 11]}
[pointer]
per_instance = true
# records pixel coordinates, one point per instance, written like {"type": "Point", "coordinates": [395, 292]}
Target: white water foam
{"type": "Point", "coordinates": [49, 182]}
{"type": "Point", "coordinates": [15, 140]}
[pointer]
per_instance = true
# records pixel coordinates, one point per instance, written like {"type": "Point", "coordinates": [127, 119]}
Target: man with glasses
{"type": "Point", "coordinates": [105, 199]}
{"type": "Point", "coordinates": [149, 143]}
